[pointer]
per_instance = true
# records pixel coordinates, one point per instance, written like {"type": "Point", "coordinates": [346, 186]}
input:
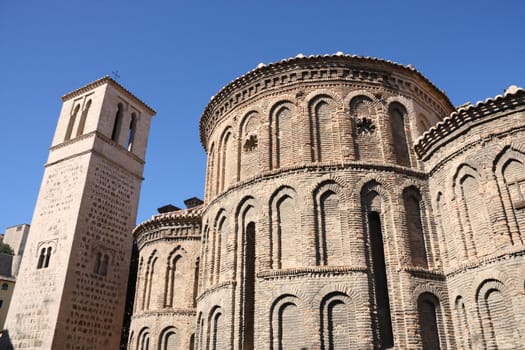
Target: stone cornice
{"type": "Point", "coordinates": [464, 118]}
{"type": "Point", "coordinates": [107, 80]}
{"type": "Point", "coordinates": [301, 69]}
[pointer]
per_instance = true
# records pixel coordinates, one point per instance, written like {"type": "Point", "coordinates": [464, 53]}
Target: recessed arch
{"type": "Point", "coordinates": [282, 137]}
{"type": "Point", "coordinates": [168, 339]}
{"type": "Point", "coordinates": [286, 323]}
{"type": "Point", "coordinates": [331, 246]}
{"type": "Point", "coordinates": [324, 129]}
{"type": "Point", "coordinates": [497, 323]}
{"type": "Point", "coordinates": [285, 235]}
{"type": "Point", "coordinates": [249, 145]}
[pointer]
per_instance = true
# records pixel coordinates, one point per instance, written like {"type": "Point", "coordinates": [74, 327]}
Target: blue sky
{"type": "Point", "coordinates": [175, 55]}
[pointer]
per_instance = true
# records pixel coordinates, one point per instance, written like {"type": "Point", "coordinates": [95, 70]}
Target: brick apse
{"type": "Point", "coordinates": [348, 205]}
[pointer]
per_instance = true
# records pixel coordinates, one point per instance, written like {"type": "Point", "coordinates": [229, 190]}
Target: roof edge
{"type": "Point", "coordinates": [463, 115]}
{"type": "Point", "coordinates": [262, 69]}
{"type": "Point", "coordinates": [107, 80]}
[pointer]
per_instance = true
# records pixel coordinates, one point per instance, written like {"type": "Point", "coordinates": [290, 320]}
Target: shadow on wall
{"type": "Point", "coordinates": [5, 341]}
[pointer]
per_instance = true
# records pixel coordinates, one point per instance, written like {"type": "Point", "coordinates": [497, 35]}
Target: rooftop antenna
{"type": "Point", "coordinates": [115, 74]}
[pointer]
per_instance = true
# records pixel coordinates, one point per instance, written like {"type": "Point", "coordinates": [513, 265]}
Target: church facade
{"type": "Point", "coordinates": [348, 205]}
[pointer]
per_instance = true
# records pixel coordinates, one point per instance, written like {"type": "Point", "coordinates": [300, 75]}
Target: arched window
{"type": "Point", "coordinates": [98, 262]}
{"type": "Point", "coordinates": [397, 115]}
{"type": "Point", "coordinates": [47, 258]}
{"type": "Point", "coordinates": [429, 320]}
{"type": "Point", "coordinates": [101, 264]}
{"type": "Point", "coordinates": [245, 217]}
{"type": "Point", "coordinates": [83, 117]}
{"type": "Point", "coordinates": [381, 285]}
{"type": "Point", "coordinates": [117, 124]}
{"type": "Point", "coordinates": [414, 225]}
{"type": "Point", "coordinates": [104, 266]}
{"type": "Point", "coordinates": [71, 123]}
{"type": "Point", "coordinates": [131, 132]}
{"type": "Point", "coordinates": [41, 258]}
{"type": "Point", "coordinates": [249, 288]}
{"type": "Point", "coordinates": [373, 204]}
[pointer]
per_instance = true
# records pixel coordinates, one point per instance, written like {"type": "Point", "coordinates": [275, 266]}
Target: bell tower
{"type": "Point", "coordinates": [73, 277]}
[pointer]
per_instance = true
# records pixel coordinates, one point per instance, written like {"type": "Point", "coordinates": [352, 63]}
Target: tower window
{"type": "Point", "coordinates": [101, 264]}
{"type": "Point", "coordinates": [131, 132]}
{"type": "Point", "coordinates": [71, 123]}
{"type": "Point", "coordinates": [47, 257]}
{"type": "Point", "coordinates": [44, 258]}
{"type": "Point", "coordinates": [118, 122]}
{"type": "Point", "coordinates": [83, 118]}
{"type": "Point", "coordinates": [5, 286]}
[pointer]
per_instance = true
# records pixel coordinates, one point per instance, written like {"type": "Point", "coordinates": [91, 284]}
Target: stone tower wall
{"type": "Point", "coordinates": [477, 182]}
{"type": "Point", "coordinates": [75, 268]}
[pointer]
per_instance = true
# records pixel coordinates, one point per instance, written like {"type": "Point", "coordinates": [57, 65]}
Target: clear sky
{"type": "Point", "coordinates": [175, 55]}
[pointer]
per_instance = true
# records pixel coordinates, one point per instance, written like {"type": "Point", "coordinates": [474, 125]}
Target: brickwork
{"type": "Point", "coordinates": [337, 217]}
{"type": "Point", "coordinates": [164, 310]}
{"type": "Point", "coordinates": [476, 163]}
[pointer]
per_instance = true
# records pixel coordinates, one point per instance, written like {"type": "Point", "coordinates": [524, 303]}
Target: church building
{"type": "Point", "coordinates": [347, 205]}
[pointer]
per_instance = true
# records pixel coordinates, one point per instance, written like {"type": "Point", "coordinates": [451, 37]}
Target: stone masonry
{"type": "Point", "coordinates": [71, 289]}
